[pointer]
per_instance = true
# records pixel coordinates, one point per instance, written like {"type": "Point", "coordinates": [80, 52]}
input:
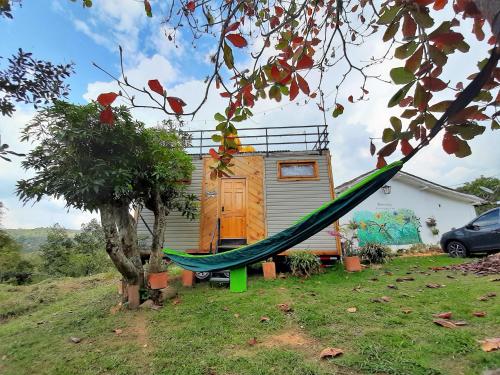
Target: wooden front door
{"type": "Point", "coordinates": [233, 208]}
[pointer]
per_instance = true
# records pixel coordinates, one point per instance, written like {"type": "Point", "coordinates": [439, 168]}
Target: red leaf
{"type": "Point", "coordinates": [479, 314]}
{"type": "Point", "coordinates": [176, 104]}
{"type": "Point", "coordinates": [305, 62]}
{"type": "Point", "coordinates": [147, 8]}
{"type": "Point", "coordinates": [225, 94]}
{"type": "Point", "coordinates": [279, 11]}
{"type": "Point", "coordinates": [447, 38]}
{"type": "Point", "coordinates": [191, 5]}
{"type": "Point", "coordinates": [444, 315]}
{"type": "Point", "coordinates": [406, 147]}
{"type": "Point", "coordinates": [350, 99]}
{"type": "Point", "coordinates": [214, 154]}
{"type": "Point", "coordinates": [107, 117]}
{"type": "Point", "coordinates": [330, 352]}
{"type": "Point", "coordinates": [156, 86]}
{"type": "Point", "coordinates": [477, 28]}
{"type": "Point", "coordinates": [450, 143]}
{"type": "Point", "coordinates": [381, 162]}
{"type": "Point", "coordinates": [424, 2]}
{"type": "Point", "coordinates": [440, 4]}
{"type": "Point", "coordinates": [433, 84]}
{"type": "Point", "coordinates": [107, 98]}
{"type": "Point", "coordinates": [409, 26]}
{"type": "Point", "coordinates": [445, 323]}
{"type": "Point", "coordinates": [303, 84]}
{"type": "Point", "coordinates": [237, 40]}
{"type": "Point", "coordinates": [294, 89]}
{"type": "Point", "coordinates": [232, 27]}
{"type": "Point", "coordinates": [275, 73]}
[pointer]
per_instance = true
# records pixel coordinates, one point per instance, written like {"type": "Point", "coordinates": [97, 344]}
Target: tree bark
{"type": "Point", "coordinates": [160, 212]}
{"type": "Point", "coordinates": [490, 10]}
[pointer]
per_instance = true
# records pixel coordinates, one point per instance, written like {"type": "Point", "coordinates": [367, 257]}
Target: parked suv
{"type": "Point", "coordinates": [480, 235]}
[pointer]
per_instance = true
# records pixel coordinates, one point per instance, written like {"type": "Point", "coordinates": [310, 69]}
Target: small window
{"type": "Point", "coordinates": [298, 170]}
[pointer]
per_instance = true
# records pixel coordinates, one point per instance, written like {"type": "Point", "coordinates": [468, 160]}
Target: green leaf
{"type": "Point", "coordinates": [219, 117]}
{"type": "Point", "coordinates": [437, 56]}
{"type": "Point", "coordinates": [400, 95]}
{"type": "Point", "coordinates": [391, 31]}
{"type": "Point", "coordinates": [495, 125]}
{"type": "Point", "coordinates": [467, 131]}
{"type": "Point", "coordinates": [388, 135]}
{"type": "Point", "coordinates": [220, 127]}
{"type": "Point", "coordinates": [216, 138]}
{"type": "Point", "coordinates": [339, 109]}
{"type": "Point", "coordinates": [422, 18]}
{"type": "Point", "coordinates": [401, 76]}
{"type": "Point", "coordinates": [396, 124]}
{"type": "Point", "coordinates": [430, 121]}
{"type": "Point", "coordinates": [389, 15]}
{"type": "Point", "coordinates": [441, 106]}
{"type": "Point", "coordinates": [228, 56]}
{"type": "Point", "coordinates": [484, 96]}
{"type": "Point", "coordinates": [406, 50]}
{"type": "Point", "coordinates": [409, 113]}
{"type": "Point", "coordinates": [463, 149]}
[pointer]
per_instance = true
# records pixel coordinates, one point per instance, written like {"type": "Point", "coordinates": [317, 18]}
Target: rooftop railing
{"type": "Point", "coordinates": [267, 139]}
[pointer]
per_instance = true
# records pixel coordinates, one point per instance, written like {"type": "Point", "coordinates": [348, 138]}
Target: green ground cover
{"type": "Point", "coordinates": [207, 330]}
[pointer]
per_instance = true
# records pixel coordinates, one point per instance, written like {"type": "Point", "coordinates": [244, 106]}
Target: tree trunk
{"type": "Point", "coordinates": [122, 249]}
{"type": "Point", "coordinates": [160, 212]}
{"type": "Point", "coordinates": [490, 9]}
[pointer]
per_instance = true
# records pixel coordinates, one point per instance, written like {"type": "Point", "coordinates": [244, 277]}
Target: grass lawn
{"type": "Point", "coordinates": [207, 330]}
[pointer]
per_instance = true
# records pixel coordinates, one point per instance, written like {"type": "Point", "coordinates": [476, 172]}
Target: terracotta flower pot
{"type": "Point", "coordinates": [352, 264]}
{"type": "Point", "coordinates": [158, 280]}
{"type": "Point", "coordinates": [187, 278]}
{"type": "Point", "coordinates": [269, 269]}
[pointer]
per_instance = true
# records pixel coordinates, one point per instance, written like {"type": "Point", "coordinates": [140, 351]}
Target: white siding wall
{"type": "Point", "coordinates": [448, 212]}
{"type": "Point", "coordinates": [287, 201]}
{"type": "Point", "coordinates": [181, 233]}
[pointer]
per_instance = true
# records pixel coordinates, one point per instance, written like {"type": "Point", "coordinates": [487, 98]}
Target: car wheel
{"type": "Point", "coordinates": [456, 249]}
{"type": "Point", "coordinates": [202, 275]}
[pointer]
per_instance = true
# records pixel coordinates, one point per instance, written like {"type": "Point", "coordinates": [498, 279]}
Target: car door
{"type": "Point", "coordinates": [484, 232]}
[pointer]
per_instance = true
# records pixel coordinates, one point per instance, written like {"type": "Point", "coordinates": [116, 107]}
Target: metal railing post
{"type": "Point", "coordinates": [267, 144]}
{"type": "Point", "coordinates": [319, 142]}
{"type": "Point", "coordinates": [201, 144]}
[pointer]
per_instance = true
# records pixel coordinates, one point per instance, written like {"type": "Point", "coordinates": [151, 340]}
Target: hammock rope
{"type": "Point", "coordinates": [328, 213]}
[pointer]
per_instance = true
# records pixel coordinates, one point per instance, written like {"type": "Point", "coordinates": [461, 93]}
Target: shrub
{"type": "Point", "coordinates": [375, 253]}
{"type": "Point", "coordinates": [304, 263]}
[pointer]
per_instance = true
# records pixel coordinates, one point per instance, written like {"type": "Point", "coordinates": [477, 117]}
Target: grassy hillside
{"type": "Point", "coordinates": [31, 239]}
{"type": "Point", "coordinates": [206, 330]}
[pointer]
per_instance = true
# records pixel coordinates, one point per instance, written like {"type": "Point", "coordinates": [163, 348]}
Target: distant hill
{"type": "Point", "coordinates": [32, 239]}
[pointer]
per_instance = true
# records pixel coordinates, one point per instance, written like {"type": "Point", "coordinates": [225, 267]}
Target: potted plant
{"type": "Point", "coordinates": [352, 262]}
{"type": "Point", "coordinates": [269, 269]}
{"type": "Point", "coordinates": [157, 274]}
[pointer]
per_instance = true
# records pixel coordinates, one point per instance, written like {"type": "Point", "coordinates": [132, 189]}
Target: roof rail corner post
{"type": "Point", "coordinates": [319, 141]}
{"type": "Point", "coordinates": [201, 145]}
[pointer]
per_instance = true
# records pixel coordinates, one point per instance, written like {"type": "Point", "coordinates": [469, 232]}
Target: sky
{"type": "Point", "coordinates": [62, 31]}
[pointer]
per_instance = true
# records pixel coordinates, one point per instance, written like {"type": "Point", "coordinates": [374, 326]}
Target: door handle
{"type": "Point", "coordinates": [222, 209]}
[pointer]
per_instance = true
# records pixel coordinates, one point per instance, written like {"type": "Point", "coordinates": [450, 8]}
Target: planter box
{"type": "Point", "coordinates": [158, 280]}
{"type": "Point", "coordinates": [187, 278]}
{"type": "Point", "coordinates": [352, 264]}
{"type": "Point", "coordinates": [269, 270]}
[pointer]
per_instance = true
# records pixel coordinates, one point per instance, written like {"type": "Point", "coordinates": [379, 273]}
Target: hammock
{"type": "Point", "coordinates": [329, 212]}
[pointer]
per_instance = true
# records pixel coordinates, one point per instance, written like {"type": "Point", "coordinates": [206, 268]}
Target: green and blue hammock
{"type": "Point", "coordinates": [329, 212]}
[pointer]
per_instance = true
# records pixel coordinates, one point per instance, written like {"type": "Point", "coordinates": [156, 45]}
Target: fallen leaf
{"type": "Point", "coordinates": [391, 286]}
{"type": "Point", "coordinates": [483, 298]}
{"type": "Point", "coordinates": [460, 323]}
{"type": "Point", "coordinates": [176, 301]}
{"type": "Point", "coordinates": [491, 295]}
{"type": "Point", "coordinates": [225, 309]}
{"type": "Point", "coordinates": [264, 319]}
{"type": "Point", "coordinates": [385, 298]}
{"type": "Point", "coordinates": [479, 314]}
{"type": "Point", "coordinates": [75, 340]}
{"type": "Point", "coordinates": [450, 277]}
{"type": "Point", "coordinates": [236, 315]}
{"type": "Point", "coordinates": [443, 315]}
{"type": "Point", "coordinates": [444, 323]}
{"type": "Point", "coordinates": [406, 311]}
{"type": "Point", "coordinates": [489, 345]}
{"type": "Point", "coordinates": [433, 286]}
{"type": "Point", "coordinates": [285, 307]}
{"type": "Point", "coordinates": [252, 341]}
{"type": "Point", "coordinates": [118, 331]}
{"type": "Point", "coordinates": [352, 310]}
{"type": "Point", "coordinates": [374, 279]}
{"type": "Point", "coordinates": [330, 353]}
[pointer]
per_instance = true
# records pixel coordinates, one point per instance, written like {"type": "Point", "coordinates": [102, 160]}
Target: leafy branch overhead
{"type": "Point", "coordinates": [287, 41]}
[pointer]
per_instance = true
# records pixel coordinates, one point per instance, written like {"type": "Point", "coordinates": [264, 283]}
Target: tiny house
{"type": "Point", "coordinates": [280, 175]}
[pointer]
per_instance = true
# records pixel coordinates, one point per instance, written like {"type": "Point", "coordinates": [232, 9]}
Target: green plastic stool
{"type": "Point", "coordinates": [238, 280]}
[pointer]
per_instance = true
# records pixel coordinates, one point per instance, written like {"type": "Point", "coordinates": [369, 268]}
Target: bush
{"type": "Point", "coordinates": [303, 263]}
{"type": "Point", "coordinates": [374, 253]}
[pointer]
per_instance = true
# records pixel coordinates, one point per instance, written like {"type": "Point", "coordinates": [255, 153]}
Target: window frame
{"type": "Point", "coordinates": [314, 163]}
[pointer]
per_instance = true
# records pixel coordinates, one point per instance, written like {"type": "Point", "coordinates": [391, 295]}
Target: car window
{"type": "Point", "coordinates": [487, 219]}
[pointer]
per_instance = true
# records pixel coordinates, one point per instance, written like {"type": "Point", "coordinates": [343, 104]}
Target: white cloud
{"type": "Point", "coordinates": [96, 37]}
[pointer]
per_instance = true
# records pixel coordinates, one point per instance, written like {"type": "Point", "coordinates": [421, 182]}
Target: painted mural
{"type": "Point", "coordinates": [388, 227]}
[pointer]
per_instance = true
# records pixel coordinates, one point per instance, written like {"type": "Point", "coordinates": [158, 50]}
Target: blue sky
{"type": "Point", "coordinates": [62, 31]}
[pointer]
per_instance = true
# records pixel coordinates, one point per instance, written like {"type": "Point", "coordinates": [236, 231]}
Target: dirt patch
{"type": "Point", "coordinates": [292, 338]}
